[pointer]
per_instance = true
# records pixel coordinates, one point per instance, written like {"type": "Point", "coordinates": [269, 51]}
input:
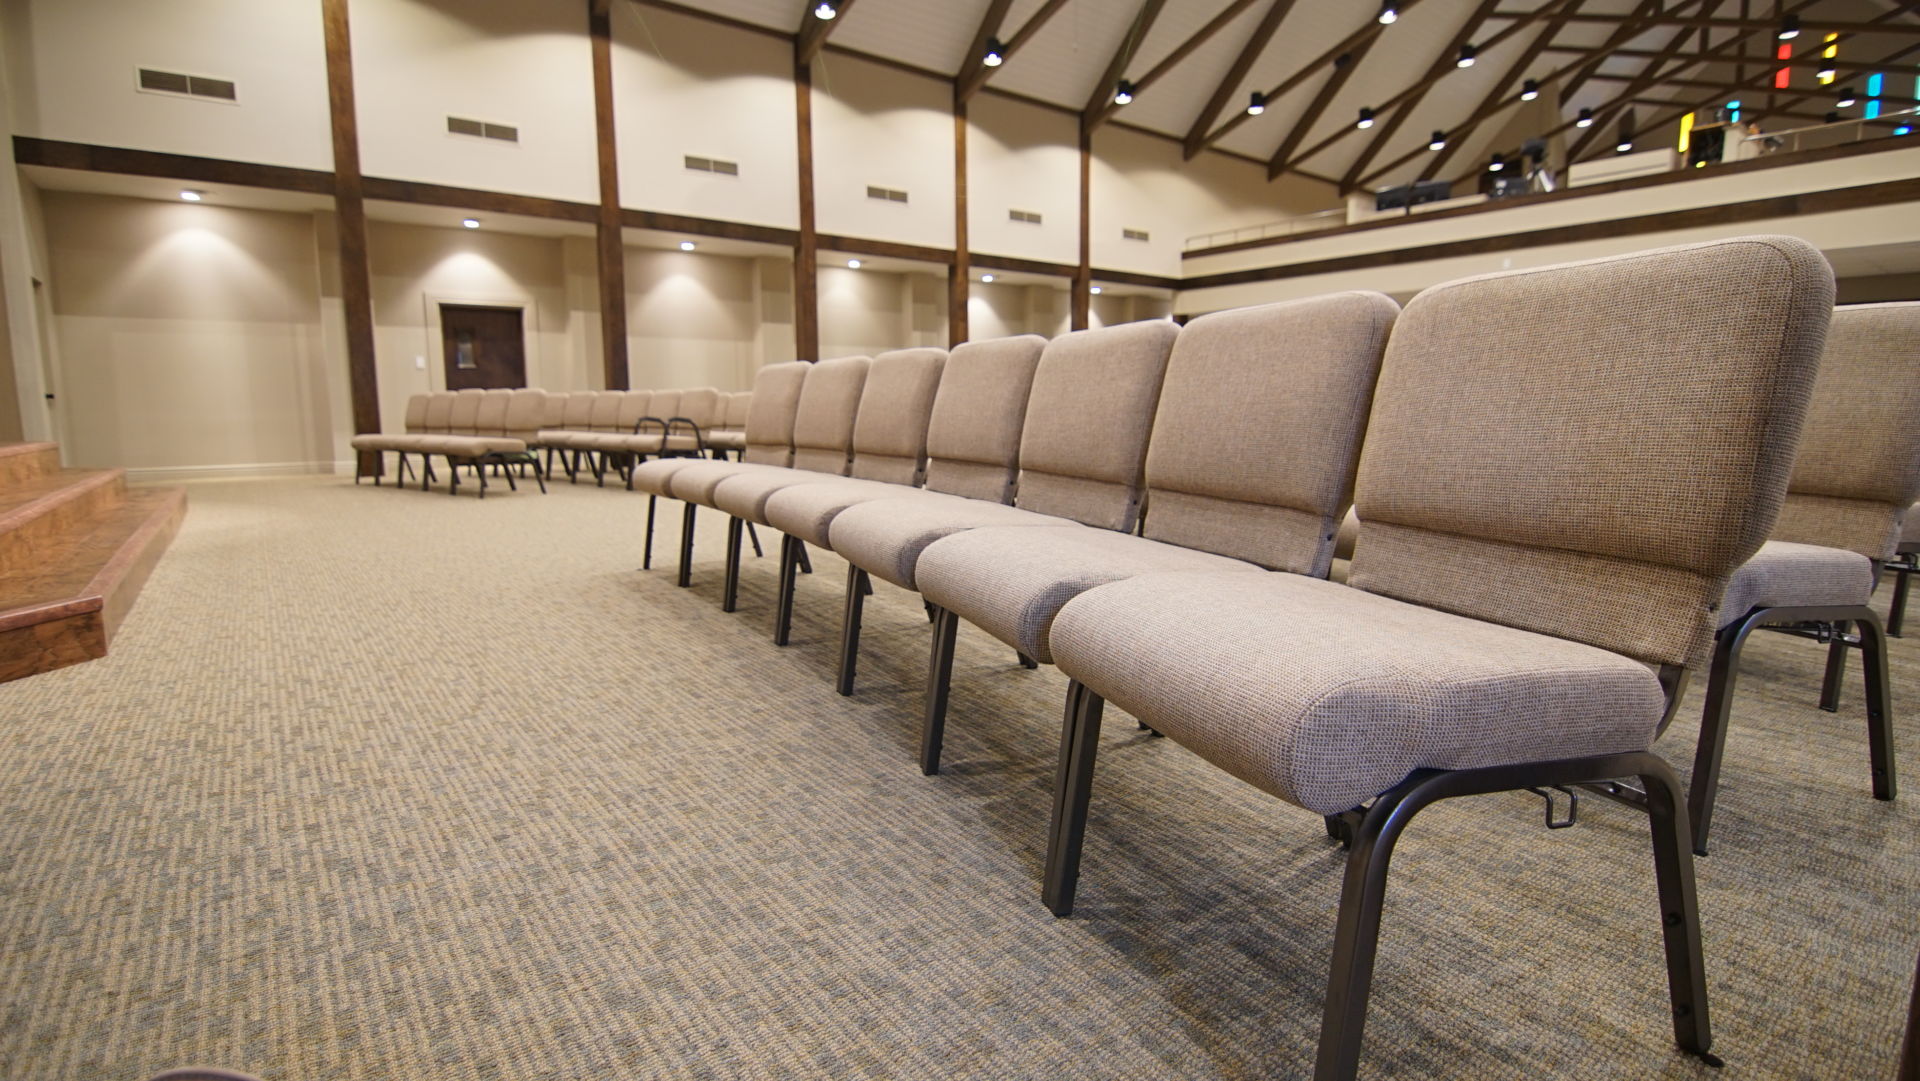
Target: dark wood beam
{"type": "Point", "coordinates": [959, 275]}
{"type": "Point", "coordinates": [1717, 23]}
{"type": "Point", "coordinates": [1498, 93]}
{"type": "Point", "coordinates": [980, 75]}
{"type": "Point", "coordinates": [1342, 71]}
{"type": "Point", "coordinates": [1307, 71]}
{"type": "Point", "coordinates": [350, 209]}
{"type": "Point", "coordinates": [1100, 103]}
{"type": "Point", "coordinates": [973, 66]}
{"type": "Point", "coordinates": [806, 248]}
{"type": "Point", "coordinates": [883, 249]}
{"type": "Point", "coordinates": [1196, 139]}
{"type": "Point", "coordinates": [713, 227]}
{"type": "Point", "coordinates": [1461, 129]}
{"type": "Point", "coordinates": [420, 193]}
{"type": "Point", "coordinates": [1649, 75]}
{"type": "Point", "coordinates": [1081, 300]}
{"type": "Point", "coordinates": [813, 32]}
{"type": "Point", "coordinates": [58, 154]}
{"type": "Point", "coordinates": [1442, 63]}
{"type": "Point", "coordinates": [610, 248]}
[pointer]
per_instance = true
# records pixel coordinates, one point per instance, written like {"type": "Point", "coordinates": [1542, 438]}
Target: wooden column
{"type": "Point", "coordinates": [610, 245]}
{"type": "Point", "coordinates": [356, 278]}
{"type": "Point", "coordinates": [1083, 274]}
{"type": "Point", "coordinates": [806, 253]}
{"type": "Point", "coordinates": [959, 278]}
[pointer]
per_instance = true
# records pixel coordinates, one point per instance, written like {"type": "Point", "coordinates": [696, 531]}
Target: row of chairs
{"type": "Point", "coordinates": [504, 429]}
{"type": "Point", "coordinates": [1567, 510]}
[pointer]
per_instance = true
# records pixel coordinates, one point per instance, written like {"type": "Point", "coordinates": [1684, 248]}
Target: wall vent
{"type": "Point", "coordinates": [505, 133]}
{"type": "Point", "coordinates": [194, 86]}
{"type": "Point", "coordinates": [1027, 216]}
{"type": "Point", "coordinates": [886, 195]}
{"type": "Point", "coordinates": [1134, 234]}
{"type": "Point", "coordinates": [713, 165]}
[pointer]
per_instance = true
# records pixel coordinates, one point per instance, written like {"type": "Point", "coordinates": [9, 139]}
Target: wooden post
{"type": "Point", "coordinates": [806, 253]}
{"type": "Point", "coordinates": [610, 245]}
{"type": "Point", "coordinates": [356, 277]}
{"type": "Point", "coordinates": [959, 278]}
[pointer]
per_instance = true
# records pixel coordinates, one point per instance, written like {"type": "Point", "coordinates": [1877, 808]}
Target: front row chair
{"type": "Point", "coordinates": [1857, 472]}
{"type": "Point", "coordinates": [1555, 487]}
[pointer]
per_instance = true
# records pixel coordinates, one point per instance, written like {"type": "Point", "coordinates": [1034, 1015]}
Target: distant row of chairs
{"type": "Point", "coordinates": [1567, 510]}
{"type": "Point", "coordinates": [504, 429]}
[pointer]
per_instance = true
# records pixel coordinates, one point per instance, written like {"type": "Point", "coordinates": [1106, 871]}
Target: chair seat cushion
{"type": "Point", "coordinates": [806, 510]}
{"type": "Point", "coordinates": [745, 495]}
{"type": "Point", "coordinates": [727, 440]}
{"type": "Point", "coordinates": [886, 536]}
{"type": "Point", "coordinates": [656, 477]}
{"type": "Point", "coordinates": [559, 437]}
{"type": "Point", "coordinates": [696, 484]}
{"type": "Point", "coordinates": [1011, 582]}
{"type": "Point", "coordinates": [1787, 575]}
{"type": "Point", "coordinates": [1325, 695]}
{"type": "Point", "coordinates": [472, 446]}
{"type": "Point", "coordinates": [620, 443]}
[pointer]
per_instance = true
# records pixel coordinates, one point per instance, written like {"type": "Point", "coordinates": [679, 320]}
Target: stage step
{"type": "Point", "coordinates": [76, 545]}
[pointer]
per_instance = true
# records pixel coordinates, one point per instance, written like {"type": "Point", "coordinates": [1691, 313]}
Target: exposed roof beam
{"type": "Point", "coordinates": [1745, 24]}
{"type": "Point", "coordinates": [813, 32]}
{"type": "Point", "coordinates": [1196, 139]}
{"type": "Point", "coordinates": [1186, 48]}
{"type": "Point", "coordinates": [1442, 64]}
{"type": "Point", "coordinates": [973, 66]}
{"type": "Point", "coordinates": [1498, 92]}
{"type": "Point", "coordinates": [981, 74]}
{"type": "Point", "coordinates": [1342, 71]}
{"type": "Point", "coordinates": [1100, 102]}
{"type": "Point", "coordinates": [1307, 71]}
{"type": "Point", "coordinates": [1649, 76]}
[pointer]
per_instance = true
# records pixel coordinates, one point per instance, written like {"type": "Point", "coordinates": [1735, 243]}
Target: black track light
{"type": "Point", "coordinates": [1389, 13]}
{"type": "Point", "coordinates": [1439, 140]}
{"type": "Point", "coordinates": [1366, 118]}
{"type": "Point", "coordinates": [1257, 105]}
{"type": "Point", "coordinates": [1496, 164]}
{"type": "Point", "coordinates": [1122, 92]}
{"type": "Point", "coordinates": [1789, 27]}
{"type": "Point", "coordinates": [996, 53]}
{"type": "Point", "coordinates": [1586, 119]}
{"type": "Point", "coordinates": [1467, 53]}
{"type": "Point", "coordinates": [1847, 100]}
{"type": "Point", "coordinates": [1530, 90]}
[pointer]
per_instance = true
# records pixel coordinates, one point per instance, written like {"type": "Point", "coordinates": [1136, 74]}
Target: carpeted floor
{"type": "Point", "coordinates": [393, 785]}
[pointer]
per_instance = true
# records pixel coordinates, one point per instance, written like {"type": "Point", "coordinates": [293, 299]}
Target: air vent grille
{"type": "Point", "coordinates": [1134, 234]}
{"type": "Point", "coordinates": [197, 86]}
{"type": "Point", "coordinates": [505, 133]}
{"type": "Point", "coordinates": [886, 195]}
{"type": "Point", "coordinates": [713, 165]}
{"type": "Point", "coordinates": [1027, 216]}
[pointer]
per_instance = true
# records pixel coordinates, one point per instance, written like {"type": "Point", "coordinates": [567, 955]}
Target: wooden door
{"type": "Point", "coordinates": [483, 346]}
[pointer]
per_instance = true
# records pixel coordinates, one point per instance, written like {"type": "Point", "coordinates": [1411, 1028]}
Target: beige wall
{"type": "Point", "coordinates": [189, 334]}
{"type": "Point", "coordinates": [873, 125]}
{"type": "Point", "coordinates": [527, 65]}
{"type": "Point", "coordinates": [71, 65]}
{"type": "Point", "coordinates": [685, 86]}
{"type": "Point", "coordinates": [1022, 157]}
{"type": "Point", "coordinates": [866, 312]}
{"type": "Point", "coordinates": [691, 319]}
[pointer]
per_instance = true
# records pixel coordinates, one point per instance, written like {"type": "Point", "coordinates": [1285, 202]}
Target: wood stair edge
{"type": "Point", "coordinates": [80, 488]}
{"type": "Point", "coordinates": [119, 580]}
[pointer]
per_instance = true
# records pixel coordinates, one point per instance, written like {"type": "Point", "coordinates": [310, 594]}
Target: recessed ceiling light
{"type": "Point", "coordinates": [986, 277]}
{"type": "Point", "coordinates": [191, 196]}
{"type": "Point", "coordinates": [826, 9]}
{"type": "Point", "coordinates": [1095, 290]}
{"type": "Point", "coordinates": [471, 223]}
{"type": "Point", "coordinates": [686, 245]}
{"type": "Point", "coordinates": [853, 264]}
{"type": "Point", "coordinates": [1389, 12]}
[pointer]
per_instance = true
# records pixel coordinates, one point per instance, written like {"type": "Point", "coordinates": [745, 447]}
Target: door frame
{"type": "Point", "coordinates": [436, 338]}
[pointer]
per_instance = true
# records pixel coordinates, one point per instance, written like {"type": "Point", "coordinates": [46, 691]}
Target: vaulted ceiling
{"type": "Point", "coordinates": [1194, 66]}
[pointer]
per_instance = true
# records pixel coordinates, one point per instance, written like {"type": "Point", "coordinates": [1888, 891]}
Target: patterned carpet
{"type": "Point", "coordinates": [393, 785]}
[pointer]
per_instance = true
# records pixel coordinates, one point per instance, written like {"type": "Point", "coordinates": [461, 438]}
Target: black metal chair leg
{"type": "Point", "coordinates": [539, 475]}
{"type": "Point", "coordinates": [686, 547]}
{"type": "Point", "coordinates": [730, 595]}
{"type": "Point", "coordinates": [755, 538]}
{"type": "Point", "coordinates": [1897, 606]}
{"type": "Point", "coordinates": [1679, 911]}
{"type": "Point", "coordinates": [857, 589]}
{"type": "Point", "coordinates": [791, 552]}
{"type": "Point", "coordinates": [1836, 669]}
{"type": "Point", "coordinates": [1873, 658]}
{"type": "Point", "coordinates": [806, 565]}
{"type": "Point", "coordinates": [1704, 786]}
{"type": "Point", "coordinates": [933, 730]}
{"type": "Point", "coordinates": [1072, 790]}
{"type": "Point", "coordinates": [1026, 661]}
{"type": "Point", "coordinates": [508, 473]}
{"type": "Point", "coordinates": [646, 552]}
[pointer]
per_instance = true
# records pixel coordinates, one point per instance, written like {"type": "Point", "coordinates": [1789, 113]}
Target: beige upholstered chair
{"type": "Point", "coordinates": [612, 447]}
{"type": "Point", "coordinates": [1556, 487]}
{"type": "Point", "coordinates": [1250, 466]}
{"type": "Point", "coordinates": [400, 443]}
{"type": "Point", "coordinates": [776, 395]}
{"type": "Point", "coordinates": [1857, 473]}
{"type": "Point", "coordinates": [731, 435]}
{"type": "Point", "coordinates": [887, 441]}
{"type": "Point", "coordinates": [576, 416]}
{"type": "Point", "coordinates": [1905, 564]}
{"type": "Point", "coordinates": [972, 451]}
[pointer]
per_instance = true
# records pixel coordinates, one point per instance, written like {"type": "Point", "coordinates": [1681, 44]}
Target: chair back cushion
{"type": "Point", "coordinates": [634, 404]}
{"type": "Point", "coordinates": [439, 410]}
{"type": "Point", "coordinates": [606, 411]}
{"type": "Point", "coordinates": [737, 405]}
{"type": "Point", "coordinates": [776, 394]}
{"type": "Point", "coordinates": [700, 405]}
{"type": "Point", "coordinates": [1084, 442]}
{"type": "Point", "coordinates": [554, 413]}
{"type": "Point", "coordinates": [1859, 464]}
{"type": "Point", "coordinates": [890, 433]}
{"type": "Point", "coordinates": [578, 414]}
{"type": "Point", "coordinates": [525, 410]}
{"type": "Point", "coordinates": [823, 423]}
{"type": "Point", "coordinates": [491, 418]}
{"type": "Point", "coordinates": [973, 436]}
{"type": "Point", "coordinates": [1571, 450]}
{"type": "Point", "coordinates": [465, 416]}
{"type": "Point", "coordinates": [1258, 433]}
{"type": "Point", "coordinates": [416, 413]}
